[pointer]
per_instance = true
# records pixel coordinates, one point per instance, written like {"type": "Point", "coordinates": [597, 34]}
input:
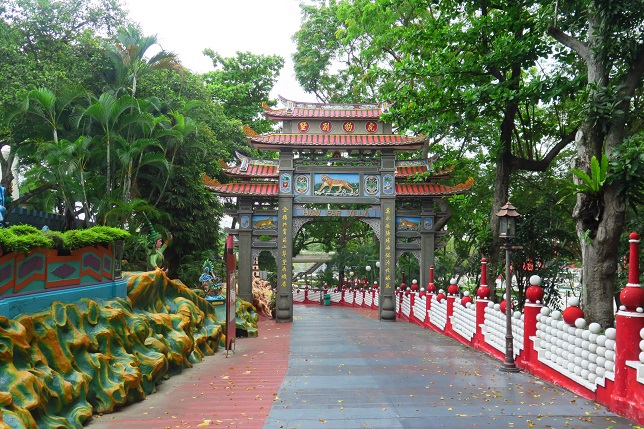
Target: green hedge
{"type": "Point", "coordinates": [22, 238]}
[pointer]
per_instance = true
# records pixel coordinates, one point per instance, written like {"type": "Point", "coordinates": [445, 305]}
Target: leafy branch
{"type": "Point", "coordinates": [591, 184]}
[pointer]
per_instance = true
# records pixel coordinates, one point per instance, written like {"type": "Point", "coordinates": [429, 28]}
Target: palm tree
{"type": "Point", "coordinates": [59, 167]}
{"type": "Point", "coordinates": [111, 115]}
{"type": "Point", "coordinates": [129, 61]}
{"type": "Point", "coordinates": [44, 104]}
{"type": "Point", "coordinates": [183, 127]}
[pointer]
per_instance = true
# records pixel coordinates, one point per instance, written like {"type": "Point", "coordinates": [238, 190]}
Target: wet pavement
{"type": "Point", "coordinates": [344, 369]}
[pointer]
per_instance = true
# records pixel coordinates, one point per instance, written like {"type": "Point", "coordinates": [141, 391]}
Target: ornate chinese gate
{"type": "Point", "coordinates": [339, 155]}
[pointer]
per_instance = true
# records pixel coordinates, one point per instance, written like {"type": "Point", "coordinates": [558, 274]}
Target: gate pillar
{"type": "Point", "coordinates": [387, 304]}
{"type": "Point", "coordinates": [245, 262]}
{"type": "Point", "coordinates": [427, 241]}
{"type": "Point", "coordinates": [284, 299]}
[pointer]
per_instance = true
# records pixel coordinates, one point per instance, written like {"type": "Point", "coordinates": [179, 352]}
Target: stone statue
{"type": "Point", "coordinates": [157, 247]}
{"type": "Point", "coordinates": [210, 283]}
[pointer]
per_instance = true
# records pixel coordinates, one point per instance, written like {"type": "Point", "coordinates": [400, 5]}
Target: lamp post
{"type": "Point", "coordinates": [507, 217]}
{"type": "Point", "coordinates": [368, 269]}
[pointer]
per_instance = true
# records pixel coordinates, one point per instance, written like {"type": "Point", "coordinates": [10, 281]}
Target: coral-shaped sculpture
{"type": "Point", "coordinates": [60, 366]}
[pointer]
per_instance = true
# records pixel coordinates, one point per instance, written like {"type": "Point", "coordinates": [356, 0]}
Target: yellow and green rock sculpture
{"type": "Point", "coordinates": [60, 366]}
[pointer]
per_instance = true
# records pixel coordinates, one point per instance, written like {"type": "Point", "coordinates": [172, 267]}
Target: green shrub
{"type": "Point", "coordinates": [26, 237]}
{"type": "Point", "coordinates": [22, 238]}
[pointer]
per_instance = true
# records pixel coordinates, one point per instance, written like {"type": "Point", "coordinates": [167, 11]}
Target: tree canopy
{"type": "Point", "coordinates": [107, 132]}
{"type": "Point", "coordinates": [508, 85]}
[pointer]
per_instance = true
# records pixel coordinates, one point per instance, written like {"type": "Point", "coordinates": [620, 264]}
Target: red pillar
{"type": "Point", "coordinates": [531, 311]}
{"type": "Point", "coordinates": [482, 293]}
{"type": "Point", "coordinates": [629, 322]}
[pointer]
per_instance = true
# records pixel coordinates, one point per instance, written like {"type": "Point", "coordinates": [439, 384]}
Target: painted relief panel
{"type": "Point", "coordinates": [285, 183]}
{"type": "Point", "coordinates": [372, 185]}
{"type": "Point", "coordinates": [302, 184]}
{"type": "Point", "coordinates": [244, 222]}
{"type": "Point", "coordinates": [388, 184]}
{"type": "Point", "coordinates": [407, 223]}
{"type": "Point", "coordinates": [341, 185]}
{"type": "Point", "coordinates": [264, 223]}
{"type": "Point", "coordinates": [428, 223]}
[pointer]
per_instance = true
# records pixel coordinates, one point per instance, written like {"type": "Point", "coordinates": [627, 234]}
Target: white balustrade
{"type": "Point", "coordinates": [420, 305]}
{"type": "Point", "coordinates": [298, 295]}
{"type": "Point", "coordinates": [585, 355]}
{"type": "Point", "coordinates": [494, 328]}
{"type": "Point", "coordinates": [464, 320]}
{"type": "Point", "coordinates": [406, 305]}
{"type": "Point", "coordinates": [438, 313]}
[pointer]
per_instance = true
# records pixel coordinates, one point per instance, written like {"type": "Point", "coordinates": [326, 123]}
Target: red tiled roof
{"type": "Point", "coordinates": [405, 171]}
{"type": "Point", "coordinates": [318, 113]}
{"type": "Point", "coordinates": [252, 171]}
{"type": "Point", "coordinates": [264, 189]}
{"type": "Point", "coordinates": [340, 141]}
{"type": "Point", "coordinates": [408, 171]}
{"type": "Point", "coordinates": [417, 189]}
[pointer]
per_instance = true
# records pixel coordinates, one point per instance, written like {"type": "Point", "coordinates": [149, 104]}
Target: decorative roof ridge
{"type": "Point", "coordinates": [413, 163]}
{"type": "Point", "coordinates": [209, 181]}
{"type": "Point", "coordinates": [316, 105]}
{"type": "Point", "coordinates": [411, 189]}
{"type": "Point", "coordinates": [254, 161]}
{"type": "Point", "coordinates": [446, 170]}
{"type": "Point", "coordinates": [465, 185]}
{"type": "Point", "coordinates": [248, 131]}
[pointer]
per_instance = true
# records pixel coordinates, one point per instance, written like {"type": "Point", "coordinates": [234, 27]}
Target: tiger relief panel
{"type": "Point", "coordinates": [264, 223]}
{"type": "Point", "coordinates": [407, 223]}
{"type": "Point", "coordinates": [339, 184]}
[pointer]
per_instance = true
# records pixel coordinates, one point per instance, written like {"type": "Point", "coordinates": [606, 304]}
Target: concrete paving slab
{"type": "Point", "coordinates": [340, 368]}
{"type": "Point", "coordinates": [351, 371]}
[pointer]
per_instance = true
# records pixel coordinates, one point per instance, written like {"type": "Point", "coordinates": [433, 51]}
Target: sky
{"type": "Point", "coordinates": [188, 27]}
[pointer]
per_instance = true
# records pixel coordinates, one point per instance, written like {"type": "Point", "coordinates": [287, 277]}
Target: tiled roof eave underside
{"type": "Point", "coordinates": [402, 190]}
{"type": "Point", "coordinates": [339, 141]}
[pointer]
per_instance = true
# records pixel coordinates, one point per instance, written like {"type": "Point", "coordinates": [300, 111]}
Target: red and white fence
{"type": "Point", "coordinates": [606, 366]}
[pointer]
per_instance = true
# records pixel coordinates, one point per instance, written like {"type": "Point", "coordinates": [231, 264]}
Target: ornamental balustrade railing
{"type": "Point", "coordinates": [606, 366]}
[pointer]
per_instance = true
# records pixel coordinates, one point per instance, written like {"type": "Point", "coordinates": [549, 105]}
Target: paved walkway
{"type": "Point", "coordinates": [344, 369]}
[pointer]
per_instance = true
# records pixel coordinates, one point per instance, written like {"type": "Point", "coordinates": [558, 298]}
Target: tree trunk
{"type": "Point", "coordinates": [599, 255]}
{"type": "Point", "coordinates": [501, 186]}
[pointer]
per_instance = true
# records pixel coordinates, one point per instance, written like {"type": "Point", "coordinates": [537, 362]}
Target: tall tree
{"type": "Point", "coordinates": [468, 70]}
{"type": "Point", "coordinates": [47, 44]}
{"type": "Point", "coordinates": [128, 57]}
{"type": "Point", "coordinates": [608, 40]}
{"type": "Point", "coordinates": [110, 115]}
{"type": "Point", "coordinates": [242, 84]}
